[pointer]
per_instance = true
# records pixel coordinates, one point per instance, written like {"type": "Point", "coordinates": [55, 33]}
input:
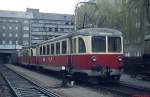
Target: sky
{"type": "Point", "coordinates": [50, 6]}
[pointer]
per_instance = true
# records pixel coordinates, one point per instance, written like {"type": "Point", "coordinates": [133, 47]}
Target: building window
{"type": "Point", "coordinates": [10, 35]}
{"type": "Point", "coordinates": [25, 35]}
{"type": "Point", "coordinates": [25, 28]}
{"type": "Point", "coordinates": [50, 29]}
{"type": "Point", "coordinates": [16, 21]}
{"type": "Point", "coordinates": [126, 41]}
{"type": "Point", "coordinates": [3, 42]}
{"type": "Point", "coordinates": [10, 20]}
{"type": "Point", "coordinates": [16, 35]}
{"type": "Point", "coordinates": [10, 42]}
{"type": "Point", "coordinates": [17, 42]}
{"type": "Point", "coordinates": [72, 23]}
{"type": "Point", "coordinates": [3, 34]}
{"type": "Point", "coordinates": [136, 10]}
{"type": "Point", "coordinates": [61, 29]}
{"type": "Point", "coordinates": [56, 29]}
{"type": "Point", "coordinates": [16, 27]}
{"type": "Point", "coordinates": [138, 24]}
{"type": "Point", "coordinates": [3, 27]}
{"type": "Point", "coordinates": [53, 29]}
{"type": "Point", "coordinates": [126, 1]}
{"type": "Point", "coordinates": [72, 29]}
{"type": "Point", "coordinates": [127, 54]}
{"type": "Point", "coordinates": [25, 43]}
{"type": "Point", "coordinates": [25, 21]}
{"type": "Point", "coordinates": [4, 20]}
{"type": "Point", "coordinates": [10, 27]}
{"type": "Point", "coordinates": [67, 23]}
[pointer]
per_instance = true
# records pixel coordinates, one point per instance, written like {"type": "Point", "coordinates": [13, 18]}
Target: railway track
{"type": "Point", "coordinates": [22, 87]}
{"type": "Point", "coordinates": [119, 89]}
{"type": "Point", "coordinates": [125, 90]}
{"type": "Point", "coordinates": [4, 89]}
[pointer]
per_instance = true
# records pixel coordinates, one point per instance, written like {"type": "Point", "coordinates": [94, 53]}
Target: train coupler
{"type": "Point", "coordinates": [68, 81]}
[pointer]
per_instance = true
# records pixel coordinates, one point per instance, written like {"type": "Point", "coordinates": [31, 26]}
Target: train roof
{"type": "Point", "coordinates": [86, 32]}
{"type": "Point", "coordinates": [98, 31]}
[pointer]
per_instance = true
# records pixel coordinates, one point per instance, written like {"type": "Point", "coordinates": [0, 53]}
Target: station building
{"type": "Point", "coordinates": [22, 29]}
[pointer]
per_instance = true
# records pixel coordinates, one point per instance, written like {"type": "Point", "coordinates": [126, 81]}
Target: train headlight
{"type": "Point", "coordinates": [63, 68]}
{"type": "Point", "coordinates": [93, 58]}
{"type": "Point", "coordinates": [120, 59]}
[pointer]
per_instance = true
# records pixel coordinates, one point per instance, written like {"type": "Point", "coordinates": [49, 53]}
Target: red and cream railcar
{"type": "Point", "coordinates": [91, 52]}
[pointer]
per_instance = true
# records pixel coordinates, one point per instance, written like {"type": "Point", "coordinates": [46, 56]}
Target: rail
{"type": "Point", "coordinates": [22, 87]}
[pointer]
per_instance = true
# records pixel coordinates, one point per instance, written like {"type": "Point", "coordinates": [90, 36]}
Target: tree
{"type": "Point", "coordinates": [130, 17]}
{"type": "Point", "coordinates": [103, 14]}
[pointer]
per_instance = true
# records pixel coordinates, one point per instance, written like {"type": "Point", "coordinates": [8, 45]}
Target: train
{"type": "Point", "coordinates": [89, 53]}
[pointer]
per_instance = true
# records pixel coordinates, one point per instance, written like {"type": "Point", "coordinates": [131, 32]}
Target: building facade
{"type": "Point", "coordinates": [44, 26]}
{"type": "Point", "coordinates": [22, 29]}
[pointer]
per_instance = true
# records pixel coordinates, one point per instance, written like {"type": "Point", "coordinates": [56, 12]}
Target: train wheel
{"type": "Point", "coordinates": [80, 77]}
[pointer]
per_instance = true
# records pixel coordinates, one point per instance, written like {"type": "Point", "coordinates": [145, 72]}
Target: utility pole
{"type": "Point", "coordinates": [76, 13]}
{"type": "Point", "coordinates": [148, 10]}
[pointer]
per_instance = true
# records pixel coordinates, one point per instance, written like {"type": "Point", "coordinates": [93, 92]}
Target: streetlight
{"type": "Point", "coordinates": [76, 7]}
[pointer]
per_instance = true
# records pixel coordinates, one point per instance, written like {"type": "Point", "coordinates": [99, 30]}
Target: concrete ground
{"type": "Point", "coordinates": [55, 85]}
{"type": "Point", "coordinates": [76, 91]}
{"type": "Point", "coordinates": [135, 81]}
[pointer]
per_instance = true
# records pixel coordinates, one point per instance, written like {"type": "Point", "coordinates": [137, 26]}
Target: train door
{"type": "Point", "coordinates": [70, 48]}
{"type": "Point", "coordinates": [73, 51]}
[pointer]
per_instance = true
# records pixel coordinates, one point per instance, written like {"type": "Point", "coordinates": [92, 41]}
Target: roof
{"type": "Point", "coordinates": [53, 16]}
{"type": "Point", "coordinates": [36, 15]}
{"type": "Point", "coordinates": [88, 31]}
{"type": "Point", "coordinates": [98, 31]}
{"type": "Point", "coordinates": [15, 14]}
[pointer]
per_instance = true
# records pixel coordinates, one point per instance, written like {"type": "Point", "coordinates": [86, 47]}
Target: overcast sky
{"type": "Point", "coordinates": [51, 6]}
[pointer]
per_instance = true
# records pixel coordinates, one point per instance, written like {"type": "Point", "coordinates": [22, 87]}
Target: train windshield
{"type": "Point", "coordinates": [98, 44]}
{"type": "Point", "coordinates": [114, 44]}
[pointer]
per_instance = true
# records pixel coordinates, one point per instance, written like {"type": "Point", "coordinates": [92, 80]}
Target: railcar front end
{"type": "Point", "coordinates": [99, 56]}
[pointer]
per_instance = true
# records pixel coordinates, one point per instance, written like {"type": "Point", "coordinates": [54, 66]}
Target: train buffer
{"type": "Point", "coordinates": [68, 80]}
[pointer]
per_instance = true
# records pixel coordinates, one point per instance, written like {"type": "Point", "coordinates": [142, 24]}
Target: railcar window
{"type": "Point", "coordinates": [58, 48]}
{"type": "Point", "coordinates": [37, 50]}
{"type": "Point", "coordinates": [44, 50]}
{"type": "Point", "coordinates": [31, 52]}
{"type": "Point", "coordinates": [52, 49]}
{"type": "Point", "coordinates": [114, 44]}
{"type": "Point", "coordinates": [82, 48]}
{"type": "Point", "coordinates": [99, 44]}
{"type": "Point", "coordinates": [64, 47]}
{"type": "Point", "coordinates": [48, 47]}
{"type": "Point", "coordinates": [40, 50]}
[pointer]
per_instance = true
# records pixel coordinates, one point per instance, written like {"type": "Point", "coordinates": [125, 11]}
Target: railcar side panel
{"type": "Point", "coordinates": [106, 60]}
